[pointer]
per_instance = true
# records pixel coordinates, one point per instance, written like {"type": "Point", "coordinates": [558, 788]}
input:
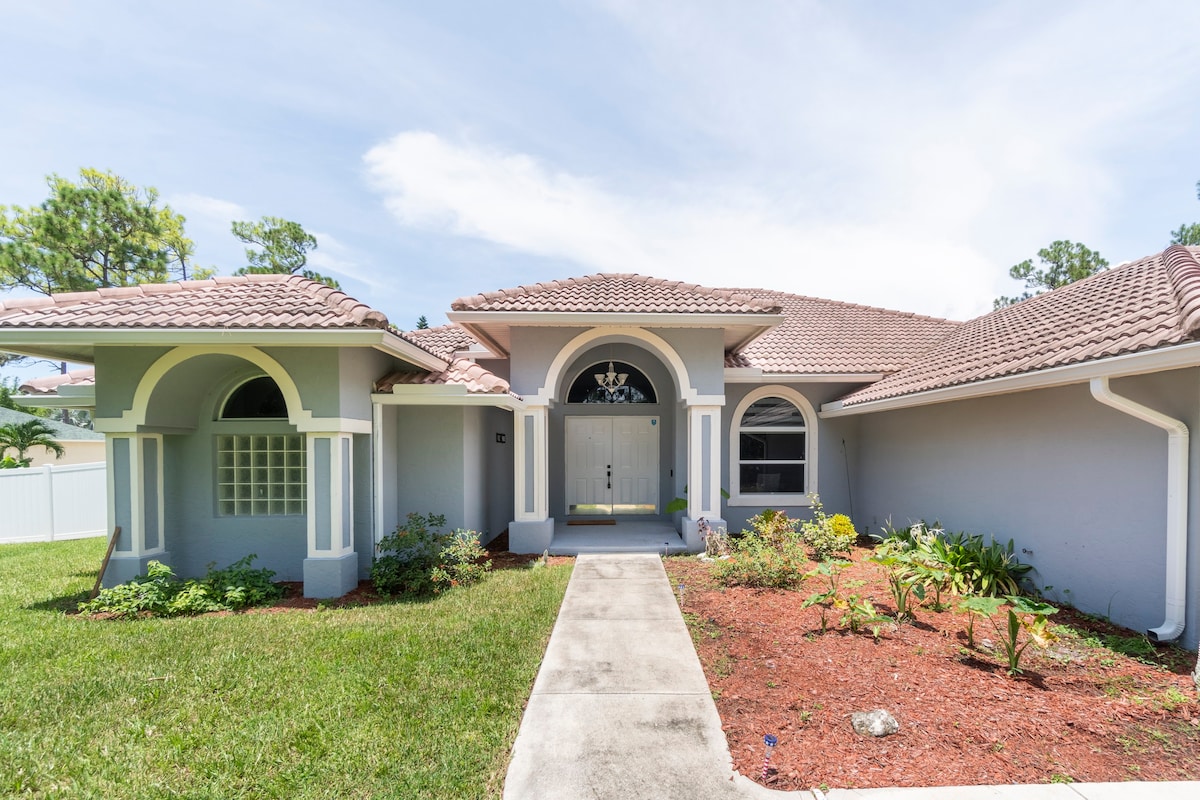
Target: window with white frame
{"type": "Point", "coordinates": [773, 447]}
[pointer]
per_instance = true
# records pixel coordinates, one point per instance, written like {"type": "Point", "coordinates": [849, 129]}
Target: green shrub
{"type": "Point", "coordinates": [760, 563]}
{"type": "Point", "coordinates": [461, 561]}
{"type": "Point", "coordinates": [418, 559]}
{"type": "Point", "coordinates": [770, 555]}
{"type": "Point", "coordinates": [970, 566]}
{"type": "Point", "coordinates": [160, 593]}
{"type": "Point", "coordinates": [827, 536]}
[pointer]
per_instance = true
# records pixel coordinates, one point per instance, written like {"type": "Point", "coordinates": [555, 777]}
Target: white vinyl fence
{"type": "Point", "coordinates": [42, 504]}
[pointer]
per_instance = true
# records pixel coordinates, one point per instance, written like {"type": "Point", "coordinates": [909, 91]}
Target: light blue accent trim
{"type": "Point", "coordinates": [122, 513]}
{"type": "Point", "coordinates": [150, 497]}
{"type": "Point", "coordinates": [705, 459]}
{"type": "Point", "coordinates": [347, 494]}
{"type": "Point", "coordinates": [321, 487]}
{"type": "Point", "coordinates": [529, 471]}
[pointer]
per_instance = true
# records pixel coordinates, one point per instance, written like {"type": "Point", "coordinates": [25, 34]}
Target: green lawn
{"type": "Point", "coordinates": [405, 700]}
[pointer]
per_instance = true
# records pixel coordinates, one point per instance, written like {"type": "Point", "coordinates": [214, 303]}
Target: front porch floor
{"type": "Point", "coordinates": [633, 536]}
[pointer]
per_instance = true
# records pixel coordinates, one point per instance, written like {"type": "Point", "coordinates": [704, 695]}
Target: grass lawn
{"type": "Point", "coordinates": [405, 700]}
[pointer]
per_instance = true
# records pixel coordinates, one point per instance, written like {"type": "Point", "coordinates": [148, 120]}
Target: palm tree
{"type": "Point", "coordinates": [23, 435]}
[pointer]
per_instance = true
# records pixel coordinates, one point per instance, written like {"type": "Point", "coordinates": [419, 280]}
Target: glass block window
{"type": "Point", "coordinates": [261, 475]}
{"type": "Point", "coordinates": [772, 448]}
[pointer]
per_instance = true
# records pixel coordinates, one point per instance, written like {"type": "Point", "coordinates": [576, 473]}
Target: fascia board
{"type": "Point", "coordinates": [54, 401]}
{"type": "Point", "coordinates": [42, 341]}
{"type": "Point", "coordinates": [1168, 358]}
{"type": "Point", "coordinates": [592, 319]}
{"type": "Point", "coordinates": [505, 401]}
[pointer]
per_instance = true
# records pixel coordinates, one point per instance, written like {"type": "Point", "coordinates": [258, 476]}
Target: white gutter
{"type": "Point", "coordinates": [1177, 503]}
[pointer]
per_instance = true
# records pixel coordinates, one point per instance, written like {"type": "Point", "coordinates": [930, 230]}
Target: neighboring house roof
{"type": "Point", "coordinates": [50, 384]}
{"type": "Point", "coordinates": [830, 337]}
{"type": "Point", "coordinates": [249, 301]}
{"type": "Point", "coordinates": [1150, 303]}
{"type": "Point", "coordinates": [60, 431]}
{"type": "Point", "coordinates": [624, 293]}
{"type": "Point", "coordinates": [442, 340]}
{"type": "Point", "coordinates": [461, 372]}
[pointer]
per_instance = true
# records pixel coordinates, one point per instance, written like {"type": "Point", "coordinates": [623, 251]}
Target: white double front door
{"type": "Point", "coordinates": [612, 465]}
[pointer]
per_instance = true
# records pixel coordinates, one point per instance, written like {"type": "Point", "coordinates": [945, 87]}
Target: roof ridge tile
{"type": "Point", "coordinates": [1184, 270]}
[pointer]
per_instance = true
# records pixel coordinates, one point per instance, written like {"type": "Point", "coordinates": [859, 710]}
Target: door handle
{"type": "Point", "coordinates": [610, 476]}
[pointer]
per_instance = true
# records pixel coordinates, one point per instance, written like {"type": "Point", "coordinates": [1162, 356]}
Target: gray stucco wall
{"type": "Point", "coordinates": [1078, 486]}
{"type": "Point", "coordinates": [534, 349]}
{"type": "Point", "coordinates": [836, 453]}
{"type": "Point", "coordinates": [445, 460]}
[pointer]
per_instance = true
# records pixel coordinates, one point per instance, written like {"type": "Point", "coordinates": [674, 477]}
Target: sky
{"type": "Point", "coordinates": [898, 154]}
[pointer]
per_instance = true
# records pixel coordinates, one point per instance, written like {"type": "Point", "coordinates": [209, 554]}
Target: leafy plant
{"type": "Point", "coordinates": [827, 536]}
{"type": "Point", "coordinates": [970, 566]}
{"type": "Point", "coordinates": [831, 571]}
{"type": "Point", "coordinates": [759, 562]}
{"type": "Point", "coordinates": [160, 593]}
{"type": "Point", "coordinates": [903, 580]}
{"type": "Point", "coordinates": [418, 559]}
{"type": "Point", "coordinates": [716, 542]}
{"type": "Point", "coordinates": [1025, 614]}
{"type": "Point", "coordinates": [462, 561]}
{"type": "Point", "coordinates": [978, 607]}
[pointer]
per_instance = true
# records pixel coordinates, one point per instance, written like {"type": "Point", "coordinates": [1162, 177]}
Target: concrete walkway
{"type": "Point", "coordinates": [621, 710]}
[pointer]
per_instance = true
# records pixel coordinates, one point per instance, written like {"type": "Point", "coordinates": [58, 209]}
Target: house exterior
{"type": "Point", "coordinates": [273, 415]}
{"type": "Point", "coordinates": [80, 445]}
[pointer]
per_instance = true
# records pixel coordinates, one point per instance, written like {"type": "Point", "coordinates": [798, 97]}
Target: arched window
{"type": "Point", "coordinates": [773, 451]}
{"type": "Point", "coordinates": [257, 398]}
{"type": "Point", "coordinates": [612, 382]}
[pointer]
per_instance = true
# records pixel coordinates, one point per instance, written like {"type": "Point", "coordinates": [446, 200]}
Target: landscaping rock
{"type": "Point", "coordinates": [874, 723]}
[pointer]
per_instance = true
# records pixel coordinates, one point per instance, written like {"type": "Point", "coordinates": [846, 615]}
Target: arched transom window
{"type": "Point", "coordinates": [773, 449]}
{"type": "Point", "coordinates": [612, 382]}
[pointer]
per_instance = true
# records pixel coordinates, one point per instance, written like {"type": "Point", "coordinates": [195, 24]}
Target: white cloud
{"type": "Point", "coordinates": [207, 211]}
{"type": "Point", "coordinates": [515, 201]}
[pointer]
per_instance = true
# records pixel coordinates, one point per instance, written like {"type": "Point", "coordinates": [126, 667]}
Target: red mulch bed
{"type": "Point", "coordinates": [1079, 712]}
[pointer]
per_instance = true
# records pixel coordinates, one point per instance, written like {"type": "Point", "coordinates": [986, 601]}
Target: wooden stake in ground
{"type": "Point", "coordinates": [104, 564]}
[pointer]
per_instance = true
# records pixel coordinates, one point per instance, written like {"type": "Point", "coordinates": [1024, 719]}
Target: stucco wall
{"type": "Point", "coordinates": [836, 452]}
{"type": "Point", "coordinates": [534, 349]}
{"type": "Point", "coordinates": [430, 462]}
{"type": "Point", "coordinates": [1078, 486]}
{"type": "Point", "coordinates": [499, 459]}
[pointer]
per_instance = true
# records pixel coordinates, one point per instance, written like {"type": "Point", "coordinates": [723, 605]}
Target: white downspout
{"type": "Point", "coordinates": [1177, 504]}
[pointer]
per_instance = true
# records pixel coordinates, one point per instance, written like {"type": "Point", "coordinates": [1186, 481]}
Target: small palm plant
{"type": "Point", "coordinates": [22, 436]}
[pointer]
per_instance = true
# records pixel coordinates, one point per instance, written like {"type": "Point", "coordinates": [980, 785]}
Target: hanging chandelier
{"type": "Point", "coordinates": [611, 380]}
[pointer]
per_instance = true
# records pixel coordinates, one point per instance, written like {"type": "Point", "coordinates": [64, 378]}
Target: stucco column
{"type": "Point", "coordinates": [331, 568]}
{"type": "Point", "coordinates": [533, 527]}
{"type": "Point", "coordinates": [135, 503]}
{"type": "Point", "coordinates": [704, 473]}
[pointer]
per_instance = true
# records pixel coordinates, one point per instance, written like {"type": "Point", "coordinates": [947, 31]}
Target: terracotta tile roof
{"type": "Point", "coordinates": [616, 293]}
{"type": "Point", "coordinates": [1150, 303]}
{"type": "Point", "coordinates": [461, 372]}
{"type": "Point", "coordinates": [49, 384]}
{"type": "Point", "coordinates": [250, 301]}
{"type": "Point", "coordinates": [442, 340]}
{"type": "Point", "coordinates": [826, 336]}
